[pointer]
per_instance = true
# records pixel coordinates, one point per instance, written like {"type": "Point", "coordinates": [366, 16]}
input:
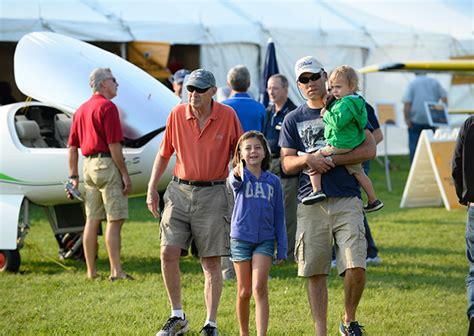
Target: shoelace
{"type": "Point", "coordinates": [355, 329]}
{"type": "Point", "coordinates": [171, 323]}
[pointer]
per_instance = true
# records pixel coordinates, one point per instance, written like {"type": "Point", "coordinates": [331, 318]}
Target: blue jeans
{"type": "Point", "coordinates": [470, 258]}
{"type": "Point", "coordinates": [413, 136]}
{"type": "Point", "coordinates": [241, 250]}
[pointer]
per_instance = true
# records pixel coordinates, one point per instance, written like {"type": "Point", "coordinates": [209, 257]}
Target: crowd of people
{"type": "Point", "coordinates": [252, 186]}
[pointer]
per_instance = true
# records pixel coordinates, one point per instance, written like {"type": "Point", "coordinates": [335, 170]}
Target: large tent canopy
{"type": "Point", "coordinates": [230, 32]}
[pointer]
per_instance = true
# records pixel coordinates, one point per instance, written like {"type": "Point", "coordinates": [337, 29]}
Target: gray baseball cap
{"type": "Point", "coordinates": [201, 79]}
{"type": "Point", "coordinates": [179, 75]}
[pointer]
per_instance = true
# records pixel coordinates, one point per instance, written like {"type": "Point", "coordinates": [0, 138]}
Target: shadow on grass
{"type": "Point", "coordinates": [421, 221]}
{"type": "Point", "coordinates": [134, 265]}
{"type": "Point", "coordinates": [404, 274]}
{"type": "Point", "coordinates": [435, 253]}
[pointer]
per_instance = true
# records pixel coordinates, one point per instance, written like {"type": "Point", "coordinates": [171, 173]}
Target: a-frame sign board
{"type": "Point", "coordinates": [429, 181]}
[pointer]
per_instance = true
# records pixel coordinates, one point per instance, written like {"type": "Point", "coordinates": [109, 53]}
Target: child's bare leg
{"type": "Point", "coordinates": [366, 184]}
{"type": "Point", "coordinates": [261, 265]}
{"type": "Point", "coordinates": [243, 271]}
{"type": "Point", "coordinates": [315, 182]}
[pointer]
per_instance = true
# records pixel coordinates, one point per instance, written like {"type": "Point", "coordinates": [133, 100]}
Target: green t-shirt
{"type": "Point", "coordinates": [345, 120]}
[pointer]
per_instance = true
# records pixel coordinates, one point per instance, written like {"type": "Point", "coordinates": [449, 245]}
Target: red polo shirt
{"type": "Point", "coordinates": [95, 125]}
{"type": "Point", "coordinates": [201, 155]}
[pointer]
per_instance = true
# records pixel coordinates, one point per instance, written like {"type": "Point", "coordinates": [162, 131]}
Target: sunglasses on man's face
{"type": "Point", "coordinates": [113, 79]}
{"type": "Point", "coordinates": [313, 77]}
{"type": "Point", "coordinates": [198, 90]}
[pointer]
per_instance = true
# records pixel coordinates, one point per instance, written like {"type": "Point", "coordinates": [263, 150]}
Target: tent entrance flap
{"type": "Point", "coordinates": [151, 57]}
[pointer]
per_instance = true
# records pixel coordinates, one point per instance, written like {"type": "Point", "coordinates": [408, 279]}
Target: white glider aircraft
{"type": "Point", "coordinates": [54, 70]}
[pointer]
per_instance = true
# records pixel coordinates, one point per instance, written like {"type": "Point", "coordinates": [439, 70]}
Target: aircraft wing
{"type": "Point", "coordinates": [453, 66]}
{"type": "Point", "coordinates": [462, 69]}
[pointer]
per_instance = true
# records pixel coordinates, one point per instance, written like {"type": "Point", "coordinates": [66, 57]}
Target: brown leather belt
{"type": "Point", "coordinates": [198, 183]}
{"type": "Point", "coordinates": [96, 155]}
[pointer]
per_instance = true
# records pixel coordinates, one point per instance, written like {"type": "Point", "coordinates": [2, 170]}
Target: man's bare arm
{"type": "Point", "coordinates": [365, 151]}
{"type": "Point", "coordinates": [292, 163]}
{"type": "Point", "coordinates": [73, 158]}
{"type": "Point", "coordinates": [153, 198]}
{"type": "Point", "coordinates": [406, 113]}
{"type": "Point", "coordinates": [378, 135]}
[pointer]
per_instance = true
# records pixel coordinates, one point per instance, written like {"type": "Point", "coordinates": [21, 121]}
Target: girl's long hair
{"type": "Point", "coordinates": [253, 134]}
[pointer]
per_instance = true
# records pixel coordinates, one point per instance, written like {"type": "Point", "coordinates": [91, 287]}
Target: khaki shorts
{"type": "Point", "coordinates": [352, 169]}
{"type": "Point", "coordinates": [199, 213]}
{"type": "Point", "coordinates": [338, 220]}
{"type": "Point", "coordinates": [103, 184]}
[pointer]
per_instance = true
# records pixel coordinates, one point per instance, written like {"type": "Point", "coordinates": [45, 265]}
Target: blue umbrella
{"type": "Point", "coordinates": [270, 68]}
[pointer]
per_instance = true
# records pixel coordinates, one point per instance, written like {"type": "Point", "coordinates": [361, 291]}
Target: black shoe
{"type": "Point", "coordinates": [353, 329]}
{"type": "Point", "coordinates": [209, 330]}
{"type": "Point", "coordinates": [314, 197]}
{"type": "Point", "coordinates": [374, 206]}
{"type": "Point", "coordinates": [174, 326]}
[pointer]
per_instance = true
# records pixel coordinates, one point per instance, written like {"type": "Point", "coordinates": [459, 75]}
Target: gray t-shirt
{"type": "Point", "coordinates": [419, 91]}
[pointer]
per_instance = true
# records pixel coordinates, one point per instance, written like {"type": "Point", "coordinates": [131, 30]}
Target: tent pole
{"type": "Point", "coordinates": [123, 50]}
{"type": "Point", "coordinates": [387, 161]}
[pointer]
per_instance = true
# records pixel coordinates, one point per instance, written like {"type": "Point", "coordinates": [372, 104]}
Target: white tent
{"type": "Point", "coordinates": [231, 32]}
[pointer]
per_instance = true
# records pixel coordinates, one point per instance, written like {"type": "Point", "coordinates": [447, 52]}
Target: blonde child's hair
{"type": "Point", "coordinates": [248, 135]}
{"type": "Point", "coordinates": [347, 73]}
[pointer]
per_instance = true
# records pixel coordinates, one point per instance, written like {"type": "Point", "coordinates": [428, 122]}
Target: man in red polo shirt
{"type": "Point", "coordinates": [203, 134]}
{"type": "Point", "coordinates": [97, 131]}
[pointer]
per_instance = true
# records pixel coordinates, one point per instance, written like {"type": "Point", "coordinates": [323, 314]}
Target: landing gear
{"type": "Point", "coordinates": [9, 260]}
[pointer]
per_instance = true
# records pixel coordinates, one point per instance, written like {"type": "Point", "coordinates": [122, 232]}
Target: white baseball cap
{"type": "Point", "coordinates": [307, 64]}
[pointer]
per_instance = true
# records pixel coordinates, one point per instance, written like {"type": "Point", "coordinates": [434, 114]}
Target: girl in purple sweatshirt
{"type": "Point", "coordinates": [258, 222]}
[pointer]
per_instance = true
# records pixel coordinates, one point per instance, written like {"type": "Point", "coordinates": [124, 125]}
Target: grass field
{"type": "Point", "coordinates": [418, 289]}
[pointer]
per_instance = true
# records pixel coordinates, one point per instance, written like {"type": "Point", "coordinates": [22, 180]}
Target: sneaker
{"type": "Point", "coordinates": [353, 329]}
{"type": "Point", "coordinates": [174, 326]}
{"type": "Point", "coordinates": [209, 330]}
{"type": "Point", "coordinates": [333, 263]}
{"type": "Point", "coordinates": [374, 261]}
{"type": "Point", "coordinates": [314, 197]}
{"type": "Point", "coordinates": [374, 206]}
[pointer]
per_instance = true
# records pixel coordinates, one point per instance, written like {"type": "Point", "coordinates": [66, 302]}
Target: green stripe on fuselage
{"type": "Point", "coordinates": [8, 178]}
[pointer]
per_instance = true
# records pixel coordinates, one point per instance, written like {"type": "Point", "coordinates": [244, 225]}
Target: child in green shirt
{"type": "Point", "coordinates": [345, 118]}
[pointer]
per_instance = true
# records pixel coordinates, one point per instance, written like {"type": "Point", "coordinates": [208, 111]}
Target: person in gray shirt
{"type": "Point", "coordinates": [420, 90]}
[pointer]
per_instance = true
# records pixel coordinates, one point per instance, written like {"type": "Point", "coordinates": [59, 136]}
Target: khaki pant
{"type": "Point", "coordinates": [338, 220]}
{"type": "Point", "coordinates": [103, 184]}
{"type": "Point", "coordinates": [199, 213]}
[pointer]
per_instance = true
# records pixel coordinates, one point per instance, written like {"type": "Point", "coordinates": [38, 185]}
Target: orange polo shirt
{"type": "Point", "coordinates": [201, 155]}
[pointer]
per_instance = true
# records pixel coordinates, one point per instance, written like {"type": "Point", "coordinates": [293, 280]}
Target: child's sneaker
{"type": "Point", "coordinates": [314, 197]}
{"type": "Point", "coordinates": [374, 206]}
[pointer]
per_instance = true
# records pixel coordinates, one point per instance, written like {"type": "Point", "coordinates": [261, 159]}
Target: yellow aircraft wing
{"type": "Point", "coordinates": [466, 67]}
{"type": "Point", "coordinates": [462, 70]}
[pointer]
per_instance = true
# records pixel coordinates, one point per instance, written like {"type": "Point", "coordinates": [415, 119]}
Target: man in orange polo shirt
{"type": "Point", "coordinates": [203, 134]}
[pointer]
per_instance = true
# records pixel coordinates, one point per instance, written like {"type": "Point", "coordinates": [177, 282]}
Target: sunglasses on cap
{"type": "Point", "coordinates": [198, 90]}
{"type": "Point", "coordinates": [313, 77]}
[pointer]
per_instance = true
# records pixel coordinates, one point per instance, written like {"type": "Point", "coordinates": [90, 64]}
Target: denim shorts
{"type": "Point", "coordinates": [241, 250]}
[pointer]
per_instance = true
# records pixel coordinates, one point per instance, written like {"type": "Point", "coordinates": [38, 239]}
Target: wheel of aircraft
{"type": "Point", "coordinates": [10, 260]}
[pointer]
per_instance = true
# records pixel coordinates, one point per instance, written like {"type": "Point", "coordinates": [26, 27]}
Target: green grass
{"type": "Point", "coordinates": [419, 288]}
